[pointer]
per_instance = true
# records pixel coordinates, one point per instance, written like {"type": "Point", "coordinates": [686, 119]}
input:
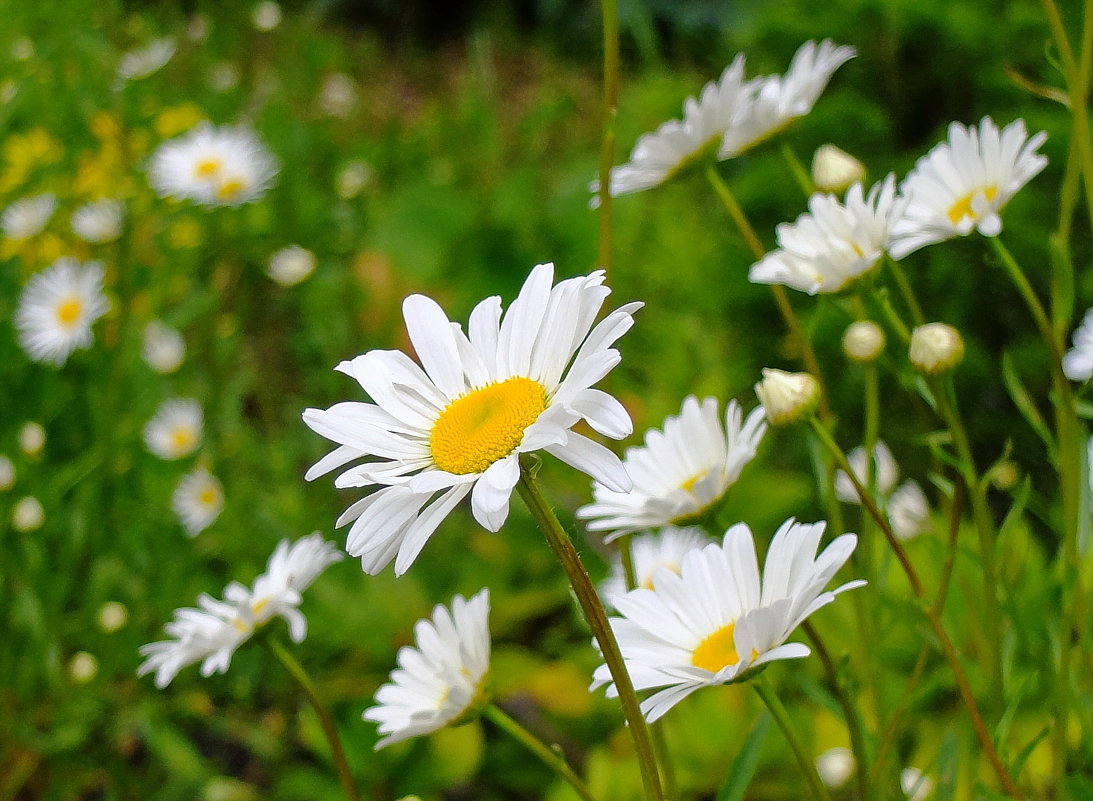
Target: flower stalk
{"type": "Point", "coordinates": [781, 717]}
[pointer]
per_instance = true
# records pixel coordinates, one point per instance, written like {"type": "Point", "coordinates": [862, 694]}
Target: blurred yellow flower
{"type": "Point", "coordinates": [184, 233]}
{"type": "Point", "coordinates": [176, 119]}
{"type": "Point", "coordinates": [25, 152]}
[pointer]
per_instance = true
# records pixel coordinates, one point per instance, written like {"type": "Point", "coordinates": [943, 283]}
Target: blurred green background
{"type": "Point", "coordinates": [460, 160]}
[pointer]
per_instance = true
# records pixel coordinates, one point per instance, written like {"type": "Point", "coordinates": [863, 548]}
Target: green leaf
{"type": "Point", "coordinates": [1023, 401]}
{"type": "Point", "coordinates": [743, 767]}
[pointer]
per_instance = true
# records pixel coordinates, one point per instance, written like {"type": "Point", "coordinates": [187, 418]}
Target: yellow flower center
{"type": "Point", "coordinates": [963, 207]}
{"type": "Point", "coordinates": [717, 651]}
{"type": "Point", "coordinates": [259, 605]}
{"type": "Point", "coordinates": [689, 484]}
{"type": "Point", "coordinates": [182, 438]}
{"type": "Point", "coordinates": [207, 168]}
{"type": "Point", "coordinates": [230, 188]}
{"type": "Point", "coordinates": [485, 425]}
{"type": "Point", "coordinates": [68, 312]}
{"type": "Point", "coordinates": [208, 497]}
{"type": "Point", "coordinates": [647, 582]}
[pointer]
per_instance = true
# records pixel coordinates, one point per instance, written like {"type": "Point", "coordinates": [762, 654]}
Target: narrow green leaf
{"type": "Point", "coordinates": [1023, 401]}
{"type": "Point", "coordinates": [743, 767]}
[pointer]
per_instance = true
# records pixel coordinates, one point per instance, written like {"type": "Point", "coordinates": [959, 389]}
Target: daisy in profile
{"type": "Point", "coordinates": [963, 184]}
{"type": "Point", "coordinates": [175, 430]}
{"type": "Point", "coordinates": [681, 472]}
{"type": "Point", "coordinates": [908, 510]}
{"type": "Point", "coordinates": [213, 166]}
{"type": "Point", "coordinates": [145, 60]}
{"type": "Point", "coordinates": [442, 678]}
{"type": "Point", "coordinates": [198, 500]}
{"type": "Point", "coordinates": [664, 549]}
{"type": "Point", "coordinates": [57, 309]}
{"type": "Point", "coordinates": [716, 622]}
{"type": "Point", "coordinates": [28, 216]}
{"type": "Point", "coordinates": [776, 100]}
{"type": "Point", "coordinates": [834, 243]}
{"type": "Point", "coordinates": [885, 469]}
{"type": "Point", "coordinates": [676, 144]}
{"type": "Point", "coordinates": [455, 426]}
{"type": "Point", "coordinates": [1078, 361]}
{"type": "Point", "coordinates": [98, 222]}
{"type": "Point", "coordinates": [211, 633]}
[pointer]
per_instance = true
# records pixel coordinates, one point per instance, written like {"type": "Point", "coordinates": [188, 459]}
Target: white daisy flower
{"type": "Point", "coordinates": [834, 243]}
{"type": "Point", "coordinates": [164, 348]}
{"type": "Point", "coordinates": [57, 308]}
{"type": "Point", "coordinates": [98, 222]}
{"type": "Point", "coordinates": [716, 621]}
{"type": "Point", "coordinates": [681, 472]}
{"type": "Point", "coordinates": [1078, 361]}
{"type": "Point", "coordinates": [212, 633]}
{"type": "Point", "coordinates": [676, 144]}
{"type": "Point", "coordinates": [963, 184]}
{"type": "Point", "coordinates": [651, 552]}
{"type": "Point", "coordinates": [442, 678]}
{"type": "Point", "coordinates": [908, 510]}
{"type": "Point", "coordinates": [213, 166]}
{"type": "Point", "coordinates": [884, 465]}
{"type": "Point", "coordinates": [146, 60]}
{"type": "Point", "coordinates": [515, 383]}
{"type": "Point", "coordinates": [175, 430]}
{"type": "Point", "coordinates": [28, 216]}
{"type": "Point", "coordinates": [289, 266]}
{"type": "Point", "coordinates": [775, 101]}
{"type": "Point", "coordinates": [198, 500]}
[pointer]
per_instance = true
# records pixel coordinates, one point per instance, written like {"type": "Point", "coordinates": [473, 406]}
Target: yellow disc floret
{"type": "Point", "coordinates": [963, 207]}
{"type": "Point", "coordinates": [717, 651]}
{"type": "Point", "coordinates": [485, 425]}
{"type": "Point", "coordinates": [68, 312]}
{"type": "Point", "coordinates": [207, 167]}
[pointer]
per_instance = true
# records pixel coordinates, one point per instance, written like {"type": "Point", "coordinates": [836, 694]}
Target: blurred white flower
{"type": "Point", "coordinates": [146, 60]}
{"type": "Point", "coordinates": [22, 49]}
{"type": "Point", "coordinates": [98, 222]}
{"type": "Point", "coordinates": [1078, 361]}
{"type": "Point", "coordinates": [28, 216]}
{"type": "Point", "coordinates": [27, 514]}
{"type": "Point", "coordinates": [32, 438]}
{"type": "Point", "coordinates": [198, 500]}
{"type": "Point", "coordinates": [885, 469]}
{"type": "Point", "coordinates": [835, 170]}
{"type": "Point", "coordinates": [681, 472]}
{"type": "Point", "coordinates": [834, 243]}
{"type": "Point", "coordinates": [112, 617]}
{"type": "Point", "coordinates": [441, 678]}
{"type": "Point", "coordinates": [353, 178]}
{"type": "Point", "coordinates": [83, 667]}
{"type": "Point", "coordinates": [175, 430]}
{"type": "Point", "coordinates": [338, 95]}
{"type": "Point", "coordinates": [57, 309]}
{"type": "Point", "coordinates": [962, 185]}
{"type": "Point", "coordinates": [835, 766]}
{"type": "Point", "coordinates": [164, 348]}
{"type": "Point", "coordinates": [908, 510]}
{"type": "Point", "coordinates": [267, 15]}
{"type": "Point", "coordinates": [7, 473]}
{"type": "Point", "coordinates": [224, 76]}
{"type": "Point", "coordinates": [289, 266]}
{"type": "Point", "coordinates": [197, 29]}
{"type": "Point", "coordinates": [213, 166]}
{"type": "Point", "coordinates": [916, 785]}
{"type": "Point", "coordinates": [212, 633]}
{"type": "Point", "coordinates": [666, 548]}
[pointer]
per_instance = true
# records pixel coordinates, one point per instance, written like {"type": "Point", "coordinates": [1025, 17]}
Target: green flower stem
{"type": "Point", "coordinates": [932, 615]}
{"type": "Point", "coordinates": [610, 112]}
{"type": "Point", "coordinates": [548, 756]}
{"type": "Point", "coordinates": [797, 169]}
{"type": "Point", "coordinates": [906, 291]}
{"type": "Point", "coordinates": [781, 300]}
{"type": "Point", "coordinates": [778, 712]}
{"type": "Point", "coordinates": [594, 613]}
{"type": "Point", "coordinates": [893, 319]}
{"type": "Point", "coordinates": [292, 665]}
{"type": "Point", "coordinates": [1017, 275]}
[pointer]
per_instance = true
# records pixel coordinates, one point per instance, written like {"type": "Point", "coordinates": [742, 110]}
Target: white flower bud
{"type": "Point", "coordinates": [935, 348]}
{"type": "Point", "coordinates": [833, 169]}
{"type": "Point", "coordinates": [915, 784]}
{"type": "Point", "coordinates": [164, 349]}
{"type": "Point", "coordinates": [291, 265]}
{"type": "Point", "coordinates": [82, 667]}
{"type": "Point", "coordinates": [7, 473]}
{"type": "Point", "coordinates": [28, 514]}
{"type": "Point", "coordinates": [835, 766]}
{"type": "Point", "coordinates": [863, 341]}
{"type": "Point", "coordinates": [112, 616]}
{"type": "Point", "coordinates": [787, 397]}
{"type": "Point", "coordinates": [267, 15]}
{"type": "Point", "coordinates": [32, 438]}
{"type": "Point", "coordinates": [353, 178]}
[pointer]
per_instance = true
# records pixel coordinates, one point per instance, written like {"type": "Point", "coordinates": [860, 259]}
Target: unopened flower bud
{"type": "Point", "coordinates": [28, 514]}
{"type": "Point", "coordinates": [291, 265]}
{"type": "Point", "coordinates": [32, 438]}
{"type": "Point", "coordinates": [833, 169]}
{"type": "Point", "coordinates": [83, 667]}
{"type": "Point", "coordinates": [935, 348]}
{"type": "Point", "coordinates": [7, 473]}
{"type": "Point", "coordinates": [835, 766]}
{"type": "Point", "coordinates": [112, 616]}
{"type": "Point", "coordinates": [787, 397]}
{"type": "Point", "coordinates": [863, 341]}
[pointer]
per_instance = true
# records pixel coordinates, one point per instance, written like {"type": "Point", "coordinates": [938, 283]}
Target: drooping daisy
{"type": "Point", "coordinates": [289, 266]}
{"type": "Point", "coordinates": [175, 430]}
{"type": "Point", "coordinates": [145, 60]}
{"type": "Point", "coordinates": [57, 309]}
{"type": "Point", "coordinates": [716, 621]}
{"type": "Point", "coordinates": [1078, 361]}
{"type": "Point", "coordinates": [963, 184]}
{"type": "Point", "coordinates": [834, 243]}
{"type": "Point", "coordinates": [885, 469]}
{"type": "Point", "coordinates": [674, 145]}
{"type": "Point", "coordinates": [681, 471]}
{"type": "Point", "coordinates": [98, 222]}
{"type": "Point", "coordinates": [776, 100]}
{"type": "Point", "coordinates": [213, 166]}
{"type": "Point", "coordinates": [515, 383]}
{"type": "Point", "coordinates": [198, 500]}
{"type": "Point", "coordinates": [908, 510]}
{"type": "Point", "coordinates": [28, 216]}
{"type": "Point", "coordinates": [442, 678]}
{"type": "Point", "coordinates": [164, 348]}
{"type": "Point", "coordinates": [211, 633]}
{"type": "Point", "coordinates": [652, 551]}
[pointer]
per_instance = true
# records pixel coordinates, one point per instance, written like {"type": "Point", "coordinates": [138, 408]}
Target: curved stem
{"type": "Point", "coordinates": [548, 756]}
{"type": "Point", "coordinates": [778, 711]}
{"type": "Point", "coordinates": [797, 170]}
{"type": "Point", "coordinates": [594, 613]}
{"type": "Point", "coordinates": [341, 765]}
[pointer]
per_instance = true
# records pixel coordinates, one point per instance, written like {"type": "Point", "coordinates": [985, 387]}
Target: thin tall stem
{"type": "Point", "coordinates": [781, 717]}
{"type": "Point", "coordinates": [906, 291]}
{"type": "Point", "coordinates": [548, 756]}
{"type": "Point", "coordinates": [610, 112]}
{"type": "Point", "coordinates": [594, 613]}
{"type": "Point", "coordinates": [341, 765]}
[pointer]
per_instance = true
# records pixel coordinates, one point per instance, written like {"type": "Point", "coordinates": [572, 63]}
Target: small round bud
{"type": "Point", "coordinates": [935, 348]}
{"type": "Point", "coordinates": [863, 341]}
{"type": "Point", "coordinates": [82, 667]}
{"type": "Point", "coordinates": [787, 397]}
{"type": "Point", "coordinates": [833, 169]}
{"type": "Point", "coordinates": [32, 438]}
{"type": "Point", "coordinates": [291, 265]}
{"type": "Point", "coordinates": [267, 15]}
{"type": "Point", "coordinates": [28, 514]}
{"type": "Point", "coordinates": [112, 616]}
{"type": "Point", "coordinates": [835, 766]}
{"type": "Point", "coordinates": [7, 474]}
